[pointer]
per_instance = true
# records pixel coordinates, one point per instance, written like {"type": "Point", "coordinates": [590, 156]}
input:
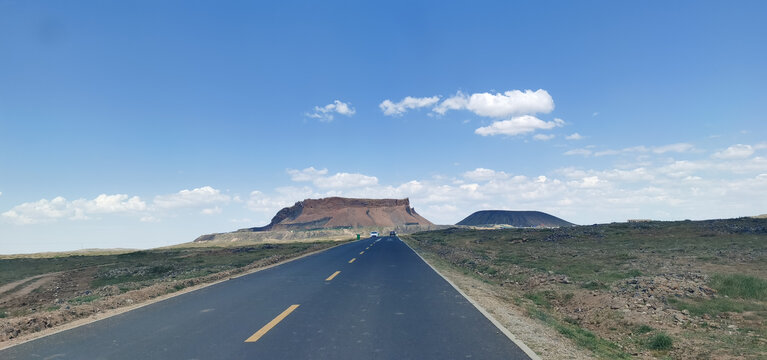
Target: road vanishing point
{"type": "Point", "coordinates": [369, 299]}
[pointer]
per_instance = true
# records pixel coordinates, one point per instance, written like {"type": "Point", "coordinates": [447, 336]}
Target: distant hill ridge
{"type": "Point", "coordinates": [334, 212]}
{"type": "Point", "coordinates": [513, 218]}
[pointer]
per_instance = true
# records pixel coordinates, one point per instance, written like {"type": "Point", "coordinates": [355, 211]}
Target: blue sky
{"type": "Point", "coordinates": [141, 124]}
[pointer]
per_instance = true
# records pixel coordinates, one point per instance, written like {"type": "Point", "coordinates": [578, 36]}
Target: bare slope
{"type": "Point", "coordinates": [513, 218]}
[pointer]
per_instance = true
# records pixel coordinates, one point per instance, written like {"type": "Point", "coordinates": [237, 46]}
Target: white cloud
{"type": "Point", "coordinates": [678, 148]}
{"type": "Point", "coordinates": [574, 136]}
{"type": "Point", "coordinates": [509, 103]}
{"type": "Point", "coordinates": [544, 137]}
{"type": "Point", "coordinates": [482, 174]}
{"type": "Point", "coordinates": [738, 151]}
{"type": "Point", "coordinates": [408, 103]}
{"type": "Point", "coordinates": [641, 149]}
{"type": "Point", "coordinates": [202, 196]}
{"type": "Point", "coordinates": [107, 204]}
{"type": "Point", "coordinates": [518, 125]}
{"type": "Point", "coordinates": [457, 102]}
{"type": "Point", "coordinates": [583, 152]}
{"type": "Point", "coordinates": [345, 180]}
{"type": "Point", "coordinates": [45, 210]}
{"type": "Point", "coordinates": [307, 174]}
{"type": "Point", "coordinates": [325, 113]}
{"type": "Point", "coordinates": [341, 180]}
{"type": "Point", "coordinates": [211, 211]}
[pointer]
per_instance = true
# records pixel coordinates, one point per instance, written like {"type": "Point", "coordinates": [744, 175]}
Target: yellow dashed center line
{"type": "Point", "coordinates": [332, 276]}
{"type": "Point", "coordinates": [352, 260]}
{"type": "Point", "coordinates": [271, 324]}
{"type": "Point", "coordinates": [362, 252]}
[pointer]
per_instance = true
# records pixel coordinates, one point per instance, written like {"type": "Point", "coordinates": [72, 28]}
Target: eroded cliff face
{"type": "Point", "coordinates": [344, 212]}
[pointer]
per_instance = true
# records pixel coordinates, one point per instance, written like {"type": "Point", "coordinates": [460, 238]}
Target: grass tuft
{"type": "Point", "coordinates": [740, 286]}
{"type": "Point", "coordinates": [84, 299]}
{"type": "Point", "coordinates": [644, 329]}
{"type": "Point", "coordinates": [660, 341]}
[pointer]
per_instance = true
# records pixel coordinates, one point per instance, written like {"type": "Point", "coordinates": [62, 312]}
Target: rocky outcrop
{"type": "Point", "coordinates": [338, 212]}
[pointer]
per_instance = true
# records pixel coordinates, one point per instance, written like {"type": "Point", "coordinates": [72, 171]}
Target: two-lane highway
{"type": "Point", "coordinates": [369, 299]}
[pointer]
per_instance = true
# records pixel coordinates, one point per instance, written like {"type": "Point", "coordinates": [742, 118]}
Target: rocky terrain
{"type": "Point", "coordinates": [333, 216]}
{"type": "Point", "coordinates": [678, 290]}
{"type": "Point", "coordinates": [523, 219]}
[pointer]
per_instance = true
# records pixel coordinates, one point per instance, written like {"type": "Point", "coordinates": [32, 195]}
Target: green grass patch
{"type": "Point", "coordinates": [594, 285]}
{"type": "Point", "coordinates": [53, 308]}
{"type": "Point", "coordinates": [740, 286]}
{"type": "Point", "coordinates": [541, 298]}
{"type": "Point", "coordinates": [660, 341]}
{"type": "Point", "coordinates": [644, 329]}
{"type": "Point", "coordinates": [716, 306]}
{"type": "Point", "coordinates": [84, 299]}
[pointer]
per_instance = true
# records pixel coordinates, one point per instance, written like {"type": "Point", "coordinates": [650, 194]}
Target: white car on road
{"type": "Point", "coordinates": [374, 234]}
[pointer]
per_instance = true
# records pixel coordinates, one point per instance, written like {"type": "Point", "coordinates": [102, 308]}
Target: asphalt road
{"type": "Point", "coordinates": [385, 304]}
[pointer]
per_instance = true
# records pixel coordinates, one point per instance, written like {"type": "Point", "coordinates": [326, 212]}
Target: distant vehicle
{"type": "Point", "coordinates": [374, 234]}
{"type": "Point", "coordinates": [392, 233]}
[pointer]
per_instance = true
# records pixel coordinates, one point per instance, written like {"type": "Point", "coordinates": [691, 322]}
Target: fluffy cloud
{"type": "Point", "coordinates": [544, 137]}
{"type": "Point", "coordinates": [45, 210]}
{"type": "Point", "coordinates": [574, 136]}
{"type": "Point", "coordinates": [325, 113]}
{"type": "Point", "coordinates": [738, 151]}
{"type": "Point", "coordinates": [482, 174]}
{"type": "Point", "coordinates": [677, 148]}
{"type": "Point", "coordinates": [518, 125]}
{"type": "Point", "coordinates": [408, 103]}
{"type": "Point", "coordinates": [59, 208]}
{"type": "Point", "coordinates": [108, 204]}
{"type": "Point", "coordinates": [203, 196]}
{"type": "Point", "coordinates": [345, 180]}
{"type": "Point", "coordinates": [307, 174]}
{"type": "Point", "coordinates": [337, 181]}
{"type": "Point", "coordinates": [583, 152]}
{"type": "Point", "coordinates": [509, 103]}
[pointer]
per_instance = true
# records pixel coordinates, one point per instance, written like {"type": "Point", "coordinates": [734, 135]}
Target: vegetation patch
{"type": "Point", "coordinates": [84, 299]}
{"type": "Point", "coordinates": [716, 306]}
{"type": "Point", "coordinates": [740, 286]}
{"type": "Point", "coordinates": [644, 329]}
{"type": "Point", "coordinates": [660, 341]}
{"type": "Point", "coordinates": [600, 347]}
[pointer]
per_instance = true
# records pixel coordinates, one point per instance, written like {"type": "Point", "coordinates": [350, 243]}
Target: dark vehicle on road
{"type": "Point", "coordinates": [392, 233]}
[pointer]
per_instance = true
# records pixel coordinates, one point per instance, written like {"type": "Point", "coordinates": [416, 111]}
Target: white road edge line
{"type": "Point", "coordinates": [495, 322]}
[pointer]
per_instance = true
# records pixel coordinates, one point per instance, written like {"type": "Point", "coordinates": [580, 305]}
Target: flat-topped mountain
{"type": "Point", "coordinates": [513, 218]}
{"type": "Point", "coordinates": [334, 212]}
